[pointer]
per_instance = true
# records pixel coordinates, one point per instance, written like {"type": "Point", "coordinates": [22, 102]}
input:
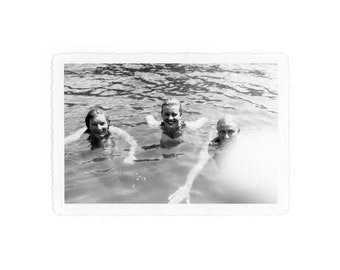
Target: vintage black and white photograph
{"type": "Point", "coordinates": [170, 135]}
{"type": "Point", "coordinates": [172, 132]}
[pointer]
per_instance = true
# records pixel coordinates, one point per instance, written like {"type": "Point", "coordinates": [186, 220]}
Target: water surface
{"type": "Point", "coordinates": [129, 92]}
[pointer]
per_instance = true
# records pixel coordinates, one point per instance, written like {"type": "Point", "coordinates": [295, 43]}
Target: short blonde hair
{"type": "Point", "coordinates": [172, 102]}
{"type": "Point", "coordinates": [227, 120]}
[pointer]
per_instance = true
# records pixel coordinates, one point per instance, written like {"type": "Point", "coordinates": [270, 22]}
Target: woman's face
{"type": "Point", "coordinates": [227, 132]}
{"type": "Point", "coordinates": [99, 126]}
{"type": "Point", "coordinates": [171, 116]}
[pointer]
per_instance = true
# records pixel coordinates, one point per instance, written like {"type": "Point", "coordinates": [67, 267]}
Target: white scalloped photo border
{"type": "Point", "coordinates": [58, 175]}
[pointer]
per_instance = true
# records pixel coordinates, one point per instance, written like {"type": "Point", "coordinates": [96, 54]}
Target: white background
{"type": "Point", "coordinates": [33, 237]}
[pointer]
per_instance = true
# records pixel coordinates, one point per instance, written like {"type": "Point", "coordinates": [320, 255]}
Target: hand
{"type": "Point", "coordinates": [130, 159]}
{"type": "Point", "coordinates": [152, 122]}
{"type": "Point", "coordinates": [183, 193]}
{"type": "Point", "coordinates": [200, 122]}
{"type": "Point", "coordinates": [203, 120]}
{"type": "Point", "coordinates": [150, 119]}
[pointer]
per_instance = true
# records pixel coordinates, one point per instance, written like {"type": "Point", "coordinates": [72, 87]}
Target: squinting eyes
{"type": "Point", "coordinates": [229, 131]}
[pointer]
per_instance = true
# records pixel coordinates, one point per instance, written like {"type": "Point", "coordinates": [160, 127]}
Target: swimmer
{"type": "Point", "coordinates": [227, 130]}
{"type": "Point", "coordinates": [101, 133]}
{"type": "Point", "coordinates": [172, 124]}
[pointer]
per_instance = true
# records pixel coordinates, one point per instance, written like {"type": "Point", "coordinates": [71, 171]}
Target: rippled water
{"type": "Point", "coordinates": [129, 92]}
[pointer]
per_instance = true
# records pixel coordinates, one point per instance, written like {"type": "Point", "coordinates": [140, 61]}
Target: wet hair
{"type": "Point", "coordinates": [93, 113]}
{"type": "Point", "coordinates": [172, 102]}
{"type": "Point", "coordinates": [227, 120]}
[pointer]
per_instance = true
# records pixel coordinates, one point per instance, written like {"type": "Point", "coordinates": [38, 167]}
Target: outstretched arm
{"type": "Point", "coordinates": [197, 124]}
{"type": "Point", "coordinates": [183, 193]}
{"type": "Point", "coordinates": [152, 122]}
{"type": "Point", "coordinates": [75, 136]}
{"type": "Point", "coordinates": [133, 144]}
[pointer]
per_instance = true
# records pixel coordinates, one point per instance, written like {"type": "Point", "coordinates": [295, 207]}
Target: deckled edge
{"type": "Point", "coordinates": [61, 211]}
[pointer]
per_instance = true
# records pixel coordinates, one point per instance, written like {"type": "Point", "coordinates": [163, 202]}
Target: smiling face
{"type": "Point", "coordinates": [171, 116]}
{"type": "Point", "coordinates": [99, 126]}
{"type": "Point", "coordinates": [227, 132]}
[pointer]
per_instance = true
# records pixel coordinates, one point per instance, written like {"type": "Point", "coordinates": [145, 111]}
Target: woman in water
{"type": "Point", "coordinates": [227, 130]}
{"type": "Point", "coordinates": [101, 134]}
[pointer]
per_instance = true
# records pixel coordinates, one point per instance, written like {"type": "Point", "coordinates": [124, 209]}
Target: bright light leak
{"type": "Point", "coordinates": [252, 163]}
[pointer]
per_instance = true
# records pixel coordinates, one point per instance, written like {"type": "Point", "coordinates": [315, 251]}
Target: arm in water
{"type": "Point", "coordinates": [75, 136]}
{"type": "Point", "coordinates": [152, 122]}
{"type": "Point", "coordinates": [183, 193]}
{"type": "Point", "coordinates": [129, 139]}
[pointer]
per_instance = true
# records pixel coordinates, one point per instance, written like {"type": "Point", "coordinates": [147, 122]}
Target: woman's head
{"type": "Point", "coordinates": [97, 122]}
{"type": "Point", "coordinates": [171, 113]}
{"type": "Point", "coordinates": [227, 128]}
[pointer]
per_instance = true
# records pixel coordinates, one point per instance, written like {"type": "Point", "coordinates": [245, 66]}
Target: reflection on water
{"type": "Point", "coordinates": [129, 92]}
